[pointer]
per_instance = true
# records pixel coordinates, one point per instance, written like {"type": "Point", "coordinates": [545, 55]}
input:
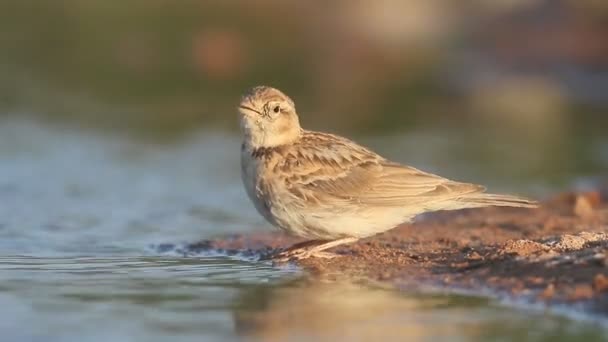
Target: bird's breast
{"type": "Point", "coordinates": [258, 184]}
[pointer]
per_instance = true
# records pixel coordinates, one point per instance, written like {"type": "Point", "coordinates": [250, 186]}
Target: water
{"type": "Point", "coordinates": [211, 299]}
{"type": "Point", "coordinates": [101, 298]}
{"type": "Point", "coordinates": [80, 213]}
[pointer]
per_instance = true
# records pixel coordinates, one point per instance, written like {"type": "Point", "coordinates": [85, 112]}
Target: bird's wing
{"type": "Point", "coordinates": [328, 169]}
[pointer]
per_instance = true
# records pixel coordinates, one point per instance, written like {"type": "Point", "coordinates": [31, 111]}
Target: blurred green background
{"type": "Point", "coordinates": [119, 134]}
{"type": "Point", "coordinates": [527, 76]}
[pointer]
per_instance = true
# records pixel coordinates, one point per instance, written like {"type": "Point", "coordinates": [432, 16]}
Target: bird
{"type": "Point", "coordinates": [330, 190]}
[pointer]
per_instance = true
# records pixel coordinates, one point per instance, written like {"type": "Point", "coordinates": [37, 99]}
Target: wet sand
{"type": "Point", "coordinates": [557, 254]}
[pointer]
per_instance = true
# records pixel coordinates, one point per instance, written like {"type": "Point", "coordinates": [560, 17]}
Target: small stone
{"type": "Point", "coordinates": [385, 276]}
{"type": "Point", "coordinates": [569, 242]}
{"type": "Point", "coordinates": [600, 283]}
{"type": "Point", "coordinates": [523, 247]}
{"type": "Point", "coordinates": [581, 292]}
{"type": "Point", "coordinates": [474, 256]}
{"type": "Point", "coordinates": [548, 292]}
{"type": "Point", "coordinates": [535, 280]}
{"type": "Point", "coordinates": [583, 207]}
{"type": "Point", "coordinates": [463, 264]}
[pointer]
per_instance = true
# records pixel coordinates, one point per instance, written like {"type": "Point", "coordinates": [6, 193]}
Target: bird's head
{"type": "Point", "coordinates": [268, 118]}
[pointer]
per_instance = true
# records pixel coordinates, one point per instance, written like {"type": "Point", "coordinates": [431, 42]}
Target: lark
{"type": "Point", "coordinates": [330, 190]}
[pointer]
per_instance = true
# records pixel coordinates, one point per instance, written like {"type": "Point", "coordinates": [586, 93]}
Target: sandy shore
{"type": "Point", "coordinates": [557, 254]}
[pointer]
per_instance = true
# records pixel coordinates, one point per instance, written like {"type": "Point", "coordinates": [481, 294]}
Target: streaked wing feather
{"type": "Point", "coordinates": [351, 174]}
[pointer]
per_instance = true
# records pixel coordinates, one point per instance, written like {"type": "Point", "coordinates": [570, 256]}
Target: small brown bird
{"type": "Point", "coordinates": [327, 188]}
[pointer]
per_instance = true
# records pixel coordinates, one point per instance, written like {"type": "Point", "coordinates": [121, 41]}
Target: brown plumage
{"type": "Point", "coordinates": [323, 186]}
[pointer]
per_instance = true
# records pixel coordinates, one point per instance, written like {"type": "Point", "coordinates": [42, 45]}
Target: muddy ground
{"type": "Point", "coordinates": [556, 254]}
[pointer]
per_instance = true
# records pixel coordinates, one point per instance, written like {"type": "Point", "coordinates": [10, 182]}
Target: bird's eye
{"type": "Point", "coordinates": [276, 109]}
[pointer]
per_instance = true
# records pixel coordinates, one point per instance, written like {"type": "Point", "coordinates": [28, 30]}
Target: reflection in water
{"type": "Point", "coordinates": [219, 299]}
{"type": "Point", "coordinates": [307, 310]}
{"type": "Point", "coordinates": [332, 310]}
{"type": "Point", "coordinates": [78, 212]}
{"type": "Point", "coordinates": [123, 298]}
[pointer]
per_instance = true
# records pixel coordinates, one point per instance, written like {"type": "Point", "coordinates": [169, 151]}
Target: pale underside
{"type": "Point", "coordinates": [327, 187]}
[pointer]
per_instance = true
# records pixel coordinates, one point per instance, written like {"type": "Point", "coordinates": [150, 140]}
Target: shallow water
{"type": "Point", "coordinates": [209, 299]}
{"type": "Point", "coordinates": [80, 213]}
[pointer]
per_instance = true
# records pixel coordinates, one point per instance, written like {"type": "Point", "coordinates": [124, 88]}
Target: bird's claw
{"type": "Point", "coordinates": [301, 254]}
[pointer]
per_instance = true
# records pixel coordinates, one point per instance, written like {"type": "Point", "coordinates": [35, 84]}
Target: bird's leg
{"type": "Point", "coordinates": [307, 243]}
{"type": "Point", "coordinates": [313, 248]}
{"type": "Point", "coordinates": [294, 249]}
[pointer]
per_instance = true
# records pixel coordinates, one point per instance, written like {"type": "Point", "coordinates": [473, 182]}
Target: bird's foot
{"type": "Point", "coordinates": [301, 254]}
{"type": "Point", "coordinates": [309, 249]}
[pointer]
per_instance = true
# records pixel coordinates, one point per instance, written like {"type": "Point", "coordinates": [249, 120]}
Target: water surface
{"type": "Point", "coordinates": [81, 212]}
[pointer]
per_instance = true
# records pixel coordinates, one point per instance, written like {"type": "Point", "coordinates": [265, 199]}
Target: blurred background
{"type": "Point", "coordinates": [520, 84]}
{"type": "Point", "coordinates": [119, 134]}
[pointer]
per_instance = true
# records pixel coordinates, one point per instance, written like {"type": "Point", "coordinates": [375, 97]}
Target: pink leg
{"type": "Point", "coordinates": [314, 248]}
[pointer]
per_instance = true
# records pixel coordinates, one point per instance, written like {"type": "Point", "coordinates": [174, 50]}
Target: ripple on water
{"type": "Point", "coordinates": [79, 213]}
{"type": "Point", "coordinates": [126, 295]}
{"type": "Point", "coordinates": [64, 191]}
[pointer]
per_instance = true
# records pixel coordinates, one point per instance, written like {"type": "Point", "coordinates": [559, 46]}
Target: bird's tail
{"type": "Point", "coordinates": [483, 200]}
